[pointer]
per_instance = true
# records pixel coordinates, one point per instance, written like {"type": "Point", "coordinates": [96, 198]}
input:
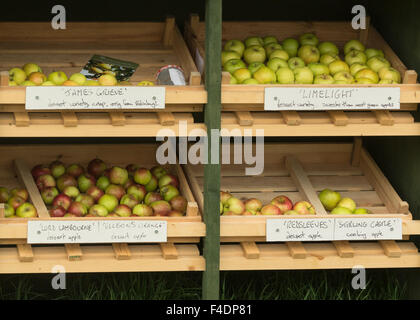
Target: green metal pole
{"type": "Point", "coordinates": [212, 118]}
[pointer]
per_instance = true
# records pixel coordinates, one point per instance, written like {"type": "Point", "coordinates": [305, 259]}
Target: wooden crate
{"type": "Point", "coordinates": [150, 44]}
{"type": "Point", "coordinates": [20, 159]}
{"type": "Point", "coordinates": [300, 171]}
{"type": "Point", "coordinates": [243, 99]}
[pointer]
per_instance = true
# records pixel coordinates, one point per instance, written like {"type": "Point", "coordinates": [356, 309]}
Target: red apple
{"type": "Point", "coordinates": [142, 176]}
{"type": "Point", "coordinates": [49, 194]}
{"type": "Point", "coordinates": [117, 191]}
{"type": "Point", "coordinates": [130, 182]}
{"type": "Point", "coordinates": [131, 169]}
{"type": "Point", "coordinates": [304, 207]}
{"type": "Point", "coordinates": [283, 203]}
{"type": "Point", "coordinates": [15, 202]}
{"type": "Point", "coordinates": [118, 175]}
{"type": "Point", "coordinates": [57, 169]}
{"type": "Point", "coordinates": [40, 170]}
{"type": "Point", "coordinates": [168, 179]}
{"type": "Point", "coordinates": [161, 208]}
{"type": "Point", "coordinates": [45, 181]}
{"type": "Point", "coordinates": [130, 200]}
{"type": "Point", "coordinates": [23, 193]}
{"type": "Point", "coordinates": [235, 205]}
{"type": "Point", "coordinates": [175, 213]}
{"type": "Point", "coordinates": [87, 200]}
{"type": "Point", "coordinates": [270, 210]}
{"type": "Point", "coordinates": [62, 200]}
{"type": "Point", "coordinates": [66, 180]}
{"type": "Point", "coordinates": [75, 170]}
{"type": "Point", "coordinates": [142, 210]}
{"type": "Point", "coordinates": [78, 209]}
{"type": "Point", "coordinates": [248, 213]}
{"type": "Point", "coordinates": [123, 210]}
{"type": "Point", "coordinates": [152, 197]}
{"type": "Point", "coordinates": [253, 206]}
{"type": "Point", "coordinates": [96, 167]}
{"type": "Point", "coordinates": [57, 211]}
{"type": "Point", "coordinates": [95, 193]}
{"type": "Point", "coordinates": [179, 203]}
{"type": "Point", "coordinates": [138, 190]}
{"type": "Point", "coordinates": [4, 195]}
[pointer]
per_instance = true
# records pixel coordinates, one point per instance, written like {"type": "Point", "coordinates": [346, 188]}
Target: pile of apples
{"type": "Point", "coordinates": [333, 202]}
{"type": "Point", "coordinates": [100, 191]}
{"type": "Point", "coordinates": [31, 75]}
{"type": "Point", "coordinates": [16, 204]}
{"type": "Point", "coordinates": [281, 205]}
{"type": "Point", "coordinates": [260, 60]}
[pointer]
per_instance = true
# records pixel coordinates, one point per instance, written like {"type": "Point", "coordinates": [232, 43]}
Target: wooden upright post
{"type": "Point", "coordinates": [212, 117]}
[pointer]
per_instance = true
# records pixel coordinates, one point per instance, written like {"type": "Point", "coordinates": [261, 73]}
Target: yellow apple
{"type": "Point", "coordinates": [79, 78]}
{"type": "Point", "coordinates": [31, 67]}
{"type": "Point", "coordinates": [17, 75]}
{"type": "Point", "coordinates": [107, 80]}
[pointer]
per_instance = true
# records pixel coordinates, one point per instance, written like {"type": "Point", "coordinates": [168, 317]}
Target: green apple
{"type": "Point", "coordinates": [347, 203]}
{"type": "Point", "coordinates": [285, 75]}
{"type": "Point", "coordinates": [356, 67]}
{"type": "Point", "coordinates": [253, 67]}
{"type": "Point", "coordinates": [12, 84]}
{"type": "Point", "coordinates": [291, 213]}
{"type": "Point", "coordinates": [265, 75]}
{"type": "Point", "coordinates": [303, 75]}
{"type": "Point", "coordinates": [328, 48]}
{"type": "Point", "coordinates": [8, 210]}
{"type": "Point", "coordinates": [270, 39]}
{"type": "Point", "coordinates": [328, 58]}
{"type": "Point", "coordinates": [229, 55]}
{"type": "Point", "coordinates": [355, 56]}
{"type": "Point", "coordinates": [389, 73]}
{"type": "Point", "coordinates": [233, 80]}
{"type": "Point", "coordinates": [344, 76]}
{"type": "Point", "coordinates": [362, 211]}
{"type": "Point", "coordinates": [250, 81]}
{"type": "Point", "coordinates": [329, 198]}
{"type": "Point", "coordinates": [309, 54]}
{"type": "Point", "coordinates": [282, 54]}
{"type": "Point", "coordinates": [91, 82]}
{"type": "Point", "coordinates": [276, 63]}
{"type": "Point", "coordinates": [341, 210]}
{"type": "Point", "coordinates": [30, 68]}
{"type": "Point", "coordinates": [353, 45]}
{"type": "Point", "coordinates": [27, 83]}
{"type": "Point", "coordinates": [377, 63]}
{"type": "Point", "coordinates": [242, 74]}
{"type": "Point", "coordinates": [235, 45]}
{"type": "Point", "coordinates": [370, 53]}
{"type": "Point", "coordinates": [79, 78]}
{"type": "Point", "coordinates": [324, 79]}
{"type": "Point", "coordinates": [254, 54]}
{"type": "Point", "coordinates": [308, 39]}
{"type": "Point", "coordinates": [340, 82]}
{"type": "Point", "coordinates": [338, 66]}
{"type": "Point", "coordinates": [109, 201]}
{"type": "Point", "coordinates": [387, 82]}
{"type": "Point", "coordinates": [364, 81]}
{"type": "Point", "coordinates": [269, 48]}
{"type": "Point", "coordinates": [232, 65]}
{"type": "Point", "coordinates": [17, 75]}
{"type": "Point", "coordinates": [57, 77]}
{"type": "Point", "coordinates": [26, 210]}
{"type": "Point", "coordinates": [254, 41]}
{"type": "Point", "coordinates": [367, 74]}
{"type": "Point", "coordinates": [296, 62]}
{"type": "Point", "coordinates": [291, 46]}
{"type": "Point", "coordinates": [318, 68]}
{"type": "Point", "coordinates": [98, 210]}
{"type": "Point", "coordinates": [48, 83]}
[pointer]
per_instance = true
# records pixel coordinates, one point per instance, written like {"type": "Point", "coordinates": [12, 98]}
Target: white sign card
{"type": "Point", "coordinates": [329, 98]}
{"type": "Point", "coordinates": [299, 229]}
{"type": "Point", "coordinates": [94, 97]}
{"type": "Point", "coordinates": [332, 229]}
{"type": "Point", "coordinates": [96, 231]}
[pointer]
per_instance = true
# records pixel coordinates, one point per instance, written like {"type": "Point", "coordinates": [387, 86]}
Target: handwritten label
{"type": "Point", "coordinates": [299, 229]}
{"type": "Point", "coordinates": [96, 231]}
{"type": "Point", "coordinates": [333, 229]}
{"type": "Point", "coordinates": [368, 229]}
{"type": "Point", "coordinates": [94, 97]}
{"type": "Point", "coordinates": [346, 98]}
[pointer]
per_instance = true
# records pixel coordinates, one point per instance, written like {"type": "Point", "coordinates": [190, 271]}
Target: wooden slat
{"type": "Point", "coordinates": [250, 249]}
{"type": "Point", "coordinates": [25, 176]}
{"type": "Point", "coordinates": [226, 77]}
{"type": "Point", "coordinates": [245, 118]}
{"type": "Point", "coordinates": [303, 183]}
{"type": "Point", "coordinates": [194, 185]}
{"type": "Point", "coordinates": [194, 22]}
{"type": "Point", "coordinates": [21, 119]}
{"type": "Point", "coordinates": [291, 118]}
{"type": "Point", "coordinates": [4, 78]}
{"type": "Point", "coordinates": [357, 149]}
{"type": "Point", "coordinates": [166, 118]}
{"type": "Point", "coordinates": [69, 119]}
{"type": "Point", "coordinates": [391, 248]}
{"type": "Point", "coordinates": [2, 214]}
{"type": "Point", "coordinates": [195, 78]}
{"type": "Point", "coordinates": [381, 184]}
{"type": "Point", "coordinates": [25, 253]}
{"type": "Point", "coordinates": [339, 118]}
{"type": "Point", "coordinates": [296, 250]}
{"type": "Point", "coordinates": [121, 251]}
{"type": "Point", "coordinates": [117, 118]}
{"type": "Point", "coordinates": [74, 252]}
{"type": "Point", "coordinates": [168, 33]}
{"type": "Point", "coordinates": [169, 251]}
{"type": "Point", "coordinates": [410, 77]}
{"type": "Point", "coordinates": [344, 249]}
{"type": "Point", "coordinates": [192, 209]}
{"type": "Point", "coordinates": [384, 117]}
